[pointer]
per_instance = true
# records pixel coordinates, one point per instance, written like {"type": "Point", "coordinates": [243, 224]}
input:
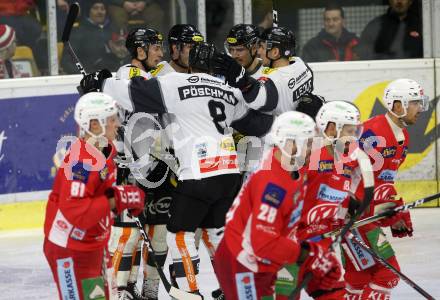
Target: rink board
{"type": "Point", "coordinates": [36, 112]}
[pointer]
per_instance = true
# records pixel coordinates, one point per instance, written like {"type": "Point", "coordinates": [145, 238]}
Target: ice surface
{"type": "Point", "coordinates": [24, 272]}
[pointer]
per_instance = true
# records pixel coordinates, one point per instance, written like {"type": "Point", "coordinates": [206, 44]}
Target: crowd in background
{"type": "Point", "coordinates": [98, 35]}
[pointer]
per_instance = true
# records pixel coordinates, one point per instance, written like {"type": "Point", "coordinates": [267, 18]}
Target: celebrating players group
{"type": "Point", "coordinates": [232, 149]}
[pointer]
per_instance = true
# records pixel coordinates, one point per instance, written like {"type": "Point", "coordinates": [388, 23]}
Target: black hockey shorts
{"type": "Point", "coordinates": [202, 203]}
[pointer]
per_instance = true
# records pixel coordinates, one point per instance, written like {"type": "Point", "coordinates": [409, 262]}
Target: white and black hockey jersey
{"type": "Point", "coordinates": [280, 88]}
{"type": "Point", "coordinates": [204, 108]}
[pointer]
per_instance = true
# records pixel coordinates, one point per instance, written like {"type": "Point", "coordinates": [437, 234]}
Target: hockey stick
{"type": "Point", "coordinates": [172, 291]}
{"type": "Point", "coordinates": [274, 14]}
{"type": "Point", "coordinates": [405, 278]}
{"type": "Point", "coordinates": [71, 17]}
{"type": "Point", "coordinates": [384, 214]}
{"type": "Point", "coordinates": [368, 180]}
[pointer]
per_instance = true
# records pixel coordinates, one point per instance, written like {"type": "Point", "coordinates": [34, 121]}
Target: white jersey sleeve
{"type": "Point", "coordinates": [280, 88]}
{"type": "Point", "coordinates": [117, 86]}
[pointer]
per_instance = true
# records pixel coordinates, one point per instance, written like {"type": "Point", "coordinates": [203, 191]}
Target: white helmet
{"type": "Point", "coordinates": [404, 90]}
{"type": "Point", "coordinates": [339, 112]}
{"type": "Point", "coordinates": [291, 125]}
{"type": "Point", "coordinates": [94, 106]}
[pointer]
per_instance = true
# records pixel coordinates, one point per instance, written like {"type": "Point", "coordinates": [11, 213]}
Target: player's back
{"type": "Point", "coordinates": [204, 107]}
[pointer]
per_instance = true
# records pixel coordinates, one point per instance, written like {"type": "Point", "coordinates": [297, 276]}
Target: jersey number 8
{"type": "Point", "coordinates": [217, 112]}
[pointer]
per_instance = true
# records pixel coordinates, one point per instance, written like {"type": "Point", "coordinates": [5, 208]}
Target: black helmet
{"type": "Point", "coordinates": [184, 33]}
{"type": "Point", "coordinates": [242, 34]}
{"type": "Point", "coordinates": [201, 55]}
{"type": "Point", "coordinates": [142, 37]}
{"type": "Point", "coordinates": [281, 38]}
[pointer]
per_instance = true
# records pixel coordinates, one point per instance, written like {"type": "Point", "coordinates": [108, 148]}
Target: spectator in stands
{"type": "Point", "coordinates": [7, 50]}
{"type": "Point", "coordinates": [90, 39]}
{"type": "Point", "coordinates": [396, 34]}
{"type": "Point", "coordinates": [135, 13]}
{"type": "Point", "coordinates": [333, 42]}
{"type": "Point", "coordinates": [116, 53]}
{"type": "Point", "coordinates": [15, 13]}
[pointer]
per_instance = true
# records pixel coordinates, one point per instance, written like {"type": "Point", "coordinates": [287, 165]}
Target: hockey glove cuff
{"type": "Point", "coordinates": [128, 197]}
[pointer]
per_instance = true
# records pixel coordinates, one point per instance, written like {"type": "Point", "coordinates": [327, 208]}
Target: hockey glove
{"type": "Point", "coordinates": [234, 73]}
{"type": "Point", "coordinates": [323, 264]}
{"type": "Point", "coordinates": [128, 197]}
{"type": "Point", "coordinates": [93, 82]}
{"type": "Point", "coordinates": [404, 226]}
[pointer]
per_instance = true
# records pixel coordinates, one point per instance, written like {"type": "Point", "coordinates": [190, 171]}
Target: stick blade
{"type": "Point", "coordinates": [71, 17]}
{"type": "Point", "coordinates": [182, 295]}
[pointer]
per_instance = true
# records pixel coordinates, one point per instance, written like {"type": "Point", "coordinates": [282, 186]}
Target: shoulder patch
{"type": "Point", "coordinates": [134, 72]}
{"type": "Point", "coordinates": [156, 71]}
{"type": "Point", "coordinates": [273, 195]}
{"type": "Point", "coordinates": [80, 172]}
{"type": "Point", "coordinates": [267, 70]}
{"type": "Point", "coordinates": [368, 137]}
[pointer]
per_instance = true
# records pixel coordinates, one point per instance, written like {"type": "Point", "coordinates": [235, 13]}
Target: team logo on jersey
{"type": "Point", "coordinates": [246, 286]}
{"type": "Point", "coordinates": [321, 212]}
{"type": "Point", "coordinates": [325, 166]}
{"type": "Point", "coordinates": [330, 194]}
{"type": "Point", "coordinates": [368, 140]}
{"type": "Point", "coordinates": [193, 79]}
{"type": "Point", "coordinates": [134, 72]}
{"type": "Point", "coordinates": [388, 152]}
{"type": "Point", "coordinates": [80, 172]}
{"type": "Point", "coordinates": [291, 83]}
{"type": "Point", "coordinates": [387, 175]}
{"type": "Point", "coordinates": [273, 195]}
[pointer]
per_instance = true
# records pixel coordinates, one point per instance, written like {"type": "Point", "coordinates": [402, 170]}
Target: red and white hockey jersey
{"type": "Point", "coordinates": [78, 214]}
{"type": "Point", "coordinates": [261, 223]}
{"type": "Point", "coordinates": [327, 198]}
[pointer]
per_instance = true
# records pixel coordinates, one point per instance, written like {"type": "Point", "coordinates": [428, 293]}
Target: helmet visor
{"type": "Point", "coordinates": [423, 103]}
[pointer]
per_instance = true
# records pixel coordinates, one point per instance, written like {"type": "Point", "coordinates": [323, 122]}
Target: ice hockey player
{"type": "Point", "coordinates": [145, 46]}
{"type": "Point", "coordinates": [260, 233]}
{"type": "Point", "coordinates": [285, 84]}
{"type": "Point", "coordinates": [387, 136]}
{"type": "Point", "coordinates": [82, 203]}
{"type": "Point", "coordinates": [205, 109]}
{"type": "Point", "coordinates": [242, 44]}
{"type": "Point", "coordinates": [328, 185]}
{"type": "Point", "coordinates": [181, 38]}
{"type": "Point", "coordinates": [282, 84]}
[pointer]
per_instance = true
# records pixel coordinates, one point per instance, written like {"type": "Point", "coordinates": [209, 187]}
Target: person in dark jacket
{"type": "Point", "coordinates": [90, 39]}
{"type": "Point", "coordinates": [396, 34]}
{"type": "Point", "coordinates": [333, 42]}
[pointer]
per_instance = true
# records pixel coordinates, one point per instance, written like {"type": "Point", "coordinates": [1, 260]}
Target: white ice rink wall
{"type": "Point", "coordinates": [36, 112]}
